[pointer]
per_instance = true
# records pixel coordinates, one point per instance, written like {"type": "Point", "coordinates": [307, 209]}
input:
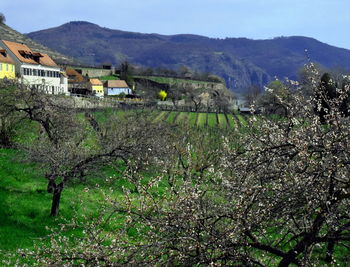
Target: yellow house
{"type": "Point", "coordinates": [7, 65]}
{"type": "Point", "coordinates": [96, 87]}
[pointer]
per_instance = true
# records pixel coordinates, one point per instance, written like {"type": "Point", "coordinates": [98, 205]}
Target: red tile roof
{"type": "Point", "coordinates": [95, 82]}
{"type": "Point", "coordinates": [74, 76]}
{"type": "Point", "coordinates": [5, 57]}
{"type": "Point", "coordinates": [26, 55]}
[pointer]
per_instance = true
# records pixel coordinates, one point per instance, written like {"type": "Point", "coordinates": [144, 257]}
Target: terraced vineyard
{"type": "Point", "coordinates": [221, 120]}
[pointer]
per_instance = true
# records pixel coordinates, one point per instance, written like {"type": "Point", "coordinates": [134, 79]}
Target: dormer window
{"type": "Point", "coordinates": [3, 52]}
{"type": "Point", "coordinates": [31, 55]}
{"type": "Point", "coordinates": [36, 57]}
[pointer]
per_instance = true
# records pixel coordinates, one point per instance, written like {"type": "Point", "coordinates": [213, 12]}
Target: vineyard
{"type": "Point", "coordinates": [202, 119]}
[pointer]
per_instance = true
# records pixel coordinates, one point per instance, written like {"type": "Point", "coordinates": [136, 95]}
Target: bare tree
{"type": "Point", "coordinates": [252, 95]}
{"type": "Point", "coordinates": [2, 18]}
{"type": "Point", "coordinates": [73, 158]}
{"type": "Point", "coordinates": [9, 119]}
{"type": "Point", "coordinates": [222, 100]}
{"type": "Point", "coordinates": [69, 148]}
{"type": "Point", "coordinates": [277, 195]}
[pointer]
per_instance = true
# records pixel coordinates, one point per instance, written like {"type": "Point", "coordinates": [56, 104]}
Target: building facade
{"type": "Point", "coordinates": [97, 87]}
{"type": "Point", "coordinates": [117, 87]}
{"type": "Point", "coordinates": [7, 65]}
{"type": "Point", "coordinates": [36, 70]}
{"type": "Point", "coordinates": [77, 83]}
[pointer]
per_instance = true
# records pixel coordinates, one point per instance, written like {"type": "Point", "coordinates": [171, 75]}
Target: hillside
{"type": "Point", "coordinates": [7, 33]}
{"type": "Point", "coordinates": [240, 61]}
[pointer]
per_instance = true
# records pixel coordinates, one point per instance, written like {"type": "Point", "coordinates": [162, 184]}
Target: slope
{"type": "Point", "coordinates": [242, 62]}
{"type": "Point", "coordinates": [7, 33]}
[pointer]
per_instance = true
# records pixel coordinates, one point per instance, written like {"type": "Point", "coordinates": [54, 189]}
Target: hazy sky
{"type": "Point", "coordinates": [325, 20]}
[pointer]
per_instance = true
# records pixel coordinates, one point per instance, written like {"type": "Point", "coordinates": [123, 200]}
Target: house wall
{"type": "Point", "coordinates": [117, 91]}
{"type": "Point", "coordinates": [98, 89]}
{"type": "Point", "coordinates": [64, 85]}
{"type": "Point", "coordinates": [50, 85]}
{"type": "Point", "coordinates": [7, 70]}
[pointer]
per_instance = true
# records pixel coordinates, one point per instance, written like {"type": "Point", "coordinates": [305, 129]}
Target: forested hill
{"type": "Point", "coordinates": [240, 61]}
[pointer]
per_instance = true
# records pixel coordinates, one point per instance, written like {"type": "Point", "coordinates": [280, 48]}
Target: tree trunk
{"type": "Point", "coordinates": [56, 197]}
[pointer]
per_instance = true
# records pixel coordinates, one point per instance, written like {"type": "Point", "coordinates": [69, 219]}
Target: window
{"type": "Point", "coordinates": [0, 66]}
{"type": "Point", "coordinates": [7, 67]}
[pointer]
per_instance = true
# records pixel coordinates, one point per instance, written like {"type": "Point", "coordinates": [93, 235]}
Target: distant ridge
{"type": "Point", "coordinates": [240, 61]}
{"type": "Point", "coordinates": [9, 34]}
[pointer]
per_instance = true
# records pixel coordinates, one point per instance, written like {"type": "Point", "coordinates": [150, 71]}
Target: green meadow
{"type": "Point", "coordinates": [201, 119]}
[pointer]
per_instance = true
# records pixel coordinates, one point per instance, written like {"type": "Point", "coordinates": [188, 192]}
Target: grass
{"type": "Point", "coordinates": [172, 116]}
{"type": "Point", "coordinates": [108, 77]}
{"type": "Point", "coordinates": [222, 120]}
{"type": "Point", "coordinates": [192, 118]}
{"type": "Point", "coordinates": [212, 122]}
{"type": "Point", "coordinates": [25, 203]}
{"type": "Point", "coordinates": [231, 120]}
{"type": "Point", "coordinates": [182, 118]}
{"type": "Point", "coordinates": [160, 116]}
{"type": "Point", "coordinates": [242, 119]}
{"type": "Point", "coordinates": [202, 119]}
{"type": "Point", "coordinates": [171, 81]}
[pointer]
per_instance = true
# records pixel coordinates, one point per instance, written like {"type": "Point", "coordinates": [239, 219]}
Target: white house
{"type": "Point", "coordinates": [37, 70]}
{"type": "Point", "coordinates": [116, 87]}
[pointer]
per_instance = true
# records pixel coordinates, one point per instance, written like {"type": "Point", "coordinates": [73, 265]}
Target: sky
{"type": "Point", "coordinates": [326, 20]}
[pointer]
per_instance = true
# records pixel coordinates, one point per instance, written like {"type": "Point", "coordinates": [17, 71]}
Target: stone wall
{"type": "Point", "coordinates": [94, 72]}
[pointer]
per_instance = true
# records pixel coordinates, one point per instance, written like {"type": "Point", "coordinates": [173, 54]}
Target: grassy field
{"type": "Point", "coordinates": [171, 117]}
{"type": "Point", "coordinates": [171, 81]}
{"type": "Point", "coordinates": [231, 120]}
{"type": "Point", "coordinates": [182, 118]}
{"type": "Point", "coordinates": [202, 119]}
{"type": "Point", "coordinates": [222, 120]}
{"type": "Point", "coordinates": [242, 119]}
{"type": "Point", "coordinates": [109, 77]}
{"type": "Point", "coordinates": [25, 201]}
{"type": "Point", "coordinates": [194, 119]}
{"type": "Point", "coordinates": [212, 121]}
{"type": "Point", "coordinates": [161, 116]}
